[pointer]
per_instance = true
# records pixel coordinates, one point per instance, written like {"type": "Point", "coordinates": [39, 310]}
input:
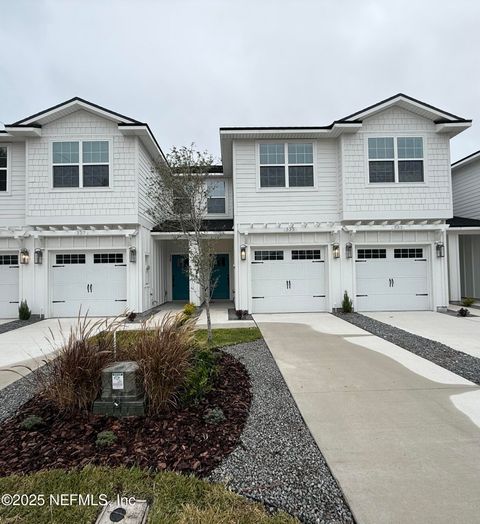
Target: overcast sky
{"type": "Point", "coordinates": [189, 67]}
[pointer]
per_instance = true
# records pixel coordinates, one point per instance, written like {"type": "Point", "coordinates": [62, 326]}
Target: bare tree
{"type": "Point", "coordinates": [179, 194]}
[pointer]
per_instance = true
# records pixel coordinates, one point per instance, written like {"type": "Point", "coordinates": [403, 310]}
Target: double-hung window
{"type": "Point", "coordinates": [3, 169]}
{"type": "Point", "coordinates": [216, 197]}
{"type": "Point", "coordinates": [81, 164]}
{"type": "Point", "coordinates": [286, 165]}
{"type": "Point", "coordinates": [393, 160]}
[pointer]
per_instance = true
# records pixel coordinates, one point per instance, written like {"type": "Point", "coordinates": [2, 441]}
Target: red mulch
{"type": "Point", "coordinates": [180, 440]}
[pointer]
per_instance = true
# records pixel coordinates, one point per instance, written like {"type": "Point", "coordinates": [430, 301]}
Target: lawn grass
{"type": "Point", "coordinates": [221, 337]}
{"type": "Point", "coordinates": [173, 498]}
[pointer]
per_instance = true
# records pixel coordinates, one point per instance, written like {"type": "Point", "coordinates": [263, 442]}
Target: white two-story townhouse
{"type": "Point", "coordinates": [359, 205]}
{"type": "Point", "coordinates": [74, 226]}
{"type": "Point", "coordinates": [464, 230]}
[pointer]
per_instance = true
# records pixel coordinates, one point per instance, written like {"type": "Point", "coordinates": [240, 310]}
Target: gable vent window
{"type": "Point", "coordinates": [108, 258]}
{"type": "Point", "coordinates": [408, 252]}
{"type": "Point", "coordinates": [8, 260]}
{"type": "Point", "coordinates": [268, 255]}
{"type": "Point", "coordinates": [286, 165]}
{"type": "Point", "coordinates": [89, 158]}
{"type": "Point", "coordinates": [306, 254]}
{"type": "Point", "coordinates": [3, 168]}
{"type": "Point", "coordinates": [70, 258]}
{"type": "Point", "coordinates": [393, 160]}
{"type": "Point", "coordinates": [363, 254]}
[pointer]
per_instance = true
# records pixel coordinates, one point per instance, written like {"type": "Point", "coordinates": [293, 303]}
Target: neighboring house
{"type": "Point", "coordinates": [359, 205]}
{"type": "Point", "coordinates": [299, 215]}
{"type": "Point", "coordinates": [464, 231]}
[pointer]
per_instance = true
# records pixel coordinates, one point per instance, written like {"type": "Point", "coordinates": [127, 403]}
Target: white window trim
{"type": "Point", "coordinates": [396, 183]}
{"type": "Point", "coordinates": [287, 187]}
{"type": "Point", "coordinates": [8, 192]}
{"type": "Point", "coordinates": [219, 215]}
{"type": "Point", "coordinates": [80, 187]}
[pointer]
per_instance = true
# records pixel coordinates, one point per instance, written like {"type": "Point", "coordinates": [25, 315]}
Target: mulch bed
{"type": "Point", "coordinates": [180, 440]}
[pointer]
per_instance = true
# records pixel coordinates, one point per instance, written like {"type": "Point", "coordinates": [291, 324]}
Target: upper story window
{"type": "Point", "coordinates": [393, 160]}
{"type": "Point", "coordinates": [216, 197]}
{"type": "Point", "coordinates": [286, 165]}
{"type": "Point", "coordinates": [3, 168]}
{"type": "Point", "coordinates": [81, 164]}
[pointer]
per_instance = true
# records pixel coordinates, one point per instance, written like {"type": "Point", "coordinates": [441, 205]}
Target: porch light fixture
{"type": "Point", "coordinates": [24, 256]}
{"type": "Point", "coordinates": [38, 256]}
{"type": "Point", "coordinates": [348, 250]}
{"type": "Point", "coordinates": [243, 252]}
{"type": "Point", "coordinates": [440, 247]}
{"type": "Point", "coordinates": [336, 250]}
{"type": "Point", "coordinates": [132, 254]}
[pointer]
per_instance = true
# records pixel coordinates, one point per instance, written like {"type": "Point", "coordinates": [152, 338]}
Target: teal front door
{"type": "Point", "coordinates": [180, 280]}
{"type": "Point", "coordinates": [221, 278]}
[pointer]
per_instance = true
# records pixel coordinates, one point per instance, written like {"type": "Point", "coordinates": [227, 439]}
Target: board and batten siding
{"type": "Point", "coordinates": [285, 205]}
{"type": "Point", "coordinates": [12, 203]}
{"type": "Point", "coordinates": [364, 201]}
{"type": "Point", "coordinates": [466, 191]}
{"type": "Point", "coordinates": [46, 205]}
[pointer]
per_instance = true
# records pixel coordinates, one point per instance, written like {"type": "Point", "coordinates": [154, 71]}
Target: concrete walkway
{"type": "Point", "coordinates": [462, 334]}
{"type": "Point", "coordinates": [400, 434]}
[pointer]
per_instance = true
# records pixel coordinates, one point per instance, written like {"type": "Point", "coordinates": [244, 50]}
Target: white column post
{"type": "Point", "coordinates": [453, 251]}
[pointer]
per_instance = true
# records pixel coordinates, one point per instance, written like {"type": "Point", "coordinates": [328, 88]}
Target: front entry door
{"type": "Point", "coordinates": [221, 278]}
{"type": "Point", "coordinates": [180, 280]}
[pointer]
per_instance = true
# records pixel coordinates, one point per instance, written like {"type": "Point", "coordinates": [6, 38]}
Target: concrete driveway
{"type": "Point", "coordinates": [400, 434]}
{"type": "Point", "coordinates": [462, 334]}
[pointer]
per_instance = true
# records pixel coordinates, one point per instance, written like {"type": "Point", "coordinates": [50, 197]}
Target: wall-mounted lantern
{"type": "Point", "coordinates": [336, 250]}
{"type": "Point", "coordinates": [348, 250]}
{"type": "Point", "coordinates": [24, 256]}
{"type": "Point", "coordinates": [132, 254]}
{"type": "Point", "coordinates": [440, 247]}
{"type": "Point", "coordinates": [38, 256]}
{"type": "Point", "coordinates": [243, 252]}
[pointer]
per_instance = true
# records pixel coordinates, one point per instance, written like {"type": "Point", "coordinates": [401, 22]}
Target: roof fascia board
{"type": "Point", "coordinates": [466, 160]}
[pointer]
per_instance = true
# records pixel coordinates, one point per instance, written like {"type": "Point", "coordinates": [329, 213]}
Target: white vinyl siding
{"type": "Point", "coordinates": [12, 201]}
{"type": "Point", "coordinates": [466, 191]}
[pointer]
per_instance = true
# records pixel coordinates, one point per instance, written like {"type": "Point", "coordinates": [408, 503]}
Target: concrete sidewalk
{"type": "Point", "coordinates": [462, 334]}
{"type": "Point", "coordinates": [397, 431]}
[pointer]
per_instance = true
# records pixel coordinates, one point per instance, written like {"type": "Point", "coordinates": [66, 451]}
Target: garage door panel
{"type": "Point", "coordinates": [9, 284]}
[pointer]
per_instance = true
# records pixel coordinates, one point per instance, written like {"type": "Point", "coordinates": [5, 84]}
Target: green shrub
{"type": "Point", "coordinates": [214, 416]}
{"type": "Point", "coordinates": [32, 422]}
{"type": "Point", "coordinates": [468, 301]}
{"type": "Point", "coordinates": [24, 312]}
{"type": "Point", "coordinates": [189, 309]}
{"type": "Point", "coordinates": [106, 439]}
{"type": "Point", "coordinates": [200, 376]}
{"type": "Point", "coordinates": [347, 306]}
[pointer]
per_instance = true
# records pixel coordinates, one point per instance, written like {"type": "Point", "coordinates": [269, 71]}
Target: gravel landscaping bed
{"type": "Point", "coordinates": [15, 324]}
{"type": "Point", "coordinates": [458, 362]}
{"type": "Point", "coordinates": [13, 396]}
{"type": "Point", "coordinates": [277, 461]}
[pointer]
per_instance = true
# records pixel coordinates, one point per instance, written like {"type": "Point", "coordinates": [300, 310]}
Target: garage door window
{"type": "Point", "coordinates": [70, 258]}
{"type": "Point", "coordinates": [268, 255]}
{"type": "Point", "coordinates": [8, 260]}
{"type": "Point", "coordinates": [108, 258]}
{"type": "Point", "coordinates": [408, 252]}
{"type": "Point", "coordinates": [306, 254]}
{"type": "Point", "coordinates": [363, 254]}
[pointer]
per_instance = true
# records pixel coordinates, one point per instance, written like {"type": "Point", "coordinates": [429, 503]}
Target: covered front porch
{"type": "Point", "coordinates": [173, 274]}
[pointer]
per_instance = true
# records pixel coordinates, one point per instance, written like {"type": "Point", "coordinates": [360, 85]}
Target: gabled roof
{"type": "Point", "coordinates": [463, 222]}
{"type": "Point", "coordinates": [70, 106]}
{"type": "Point", "coordinates": [466, 160]}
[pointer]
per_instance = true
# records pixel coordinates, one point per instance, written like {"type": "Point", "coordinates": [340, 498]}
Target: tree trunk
{"type": "Point", "coordinates": [209, 320]}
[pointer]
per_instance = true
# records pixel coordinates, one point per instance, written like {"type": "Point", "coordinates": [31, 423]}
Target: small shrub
{"type": "Point", "coordinates": [164, 356]}
{"type": "Point", "coordinates": [468, 301]}
{"type": "Point", "coordinates": [347, 306]}
{"type": "Point", "coordinates": [200, 376]}
{"type": "Point", "coordinates": [24, 312]}
{"type": "Point", "coordinates": [241, 313]}
{"type": "Point", "coordinates": [32, 422]}
{"type": "Point", "coordinates": [214, 416]}
{"type": "Point", "coordinates": [463, 312]}
{"type": "Point", "coordinates": [189, 309]}
{"type": "Point", "coordinates": [106, 439]}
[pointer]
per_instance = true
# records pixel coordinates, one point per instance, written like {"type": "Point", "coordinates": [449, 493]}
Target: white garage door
{"type": "Point", "coordinates": [93, 281]}
{"type": "Point", "coordinates": [288, 280]}
{"type": "Point", "coordinates": [9, 270]}
{"type": "Point", "coordinates": [392, 279]}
